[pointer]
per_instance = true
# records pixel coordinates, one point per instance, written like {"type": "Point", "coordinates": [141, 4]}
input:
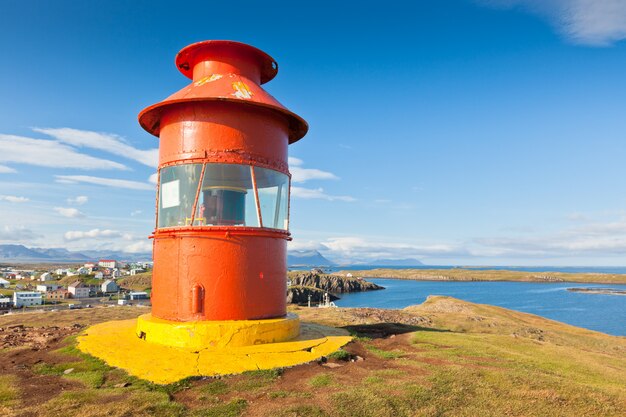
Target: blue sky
{"type": "Point", "coordinates": [452, 131]}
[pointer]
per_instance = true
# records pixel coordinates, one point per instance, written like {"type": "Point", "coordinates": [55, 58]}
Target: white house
{"type": "Point", "coordinates": [89, 265]}
{"type": "Point", "coordinates": [139, 295]}
{"type": "Point", "coordinates": [99, 275]}
{"type": "Point", "coordinates": [4, 283]}
{"type": "Point", "coordinates": [47, 287]}
{"type": "Point", "coordinates": [135, 271]}
{"type": "Point", "coordinates": [78, 290]}
{"type": "Point", "coordinates": [24, 299]}
{"type": "Point", "coordinates": [5, 302]}
{"type": "Point", "coordinates": [109, 286]}
{"type": "Point", "coordinates": [46, 276]}
{"type": "Point", "coordinates": [116, 273]}
{"type": "Point", "coordinates": [83, 271]}
{"type": "Point", "coordinates": [107, 263]}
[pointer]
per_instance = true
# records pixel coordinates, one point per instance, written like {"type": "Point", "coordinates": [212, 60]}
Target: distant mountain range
{"type": "Point", "coordinates": [12, 253]}
{"type": "Point", "coordinates": [314, 258]}
{"type": "Point", "coordinates": [307, 258]}
{"type": "Point", "coordinates": [20, 253]}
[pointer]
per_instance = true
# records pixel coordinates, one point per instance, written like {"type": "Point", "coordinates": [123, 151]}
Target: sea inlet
{"type": "Point", "coordinates": [601, 312]}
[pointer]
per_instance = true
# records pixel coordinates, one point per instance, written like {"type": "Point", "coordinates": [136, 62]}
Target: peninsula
{"type": "Point", "coordinates": [458, 274]}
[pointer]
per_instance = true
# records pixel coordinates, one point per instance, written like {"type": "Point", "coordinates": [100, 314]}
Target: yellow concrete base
{"type": "Point", "coordinates": [117, 343]}
{"type": "Point", "coordinates": [214, 335]}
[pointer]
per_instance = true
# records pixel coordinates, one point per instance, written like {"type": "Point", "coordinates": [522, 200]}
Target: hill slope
{"type": "Point", "coordinates": [445, 357]}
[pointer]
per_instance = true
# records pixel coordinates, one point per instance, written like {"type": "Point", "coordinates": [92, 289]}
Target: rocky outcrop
{"type": "Point", "coordinates": [300, 295]}
{"type": "Point", "coordinates": [336, 284]}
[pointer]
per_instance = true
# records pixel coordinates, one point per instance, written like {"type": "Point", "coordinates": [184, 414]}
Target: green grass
{"type": "Point", "coordinates": [232, 409]}
{"type": "Point", "coordinates": [321, 380]}
{"type": "Point", "coordinates": [365, 402]}
{"type": "Point", "coordinates": [88, 403]}
{"type": "Point", "coordinates": [9, 393]}
{"type": "Point", "coordinates": [302, 411]}
{"type": "Point", "coordinates": [216, 387]}
{"type": "Point", "coordinates": [87, 369]}
{"type": "Point", "coordinates": [340, 355]}
{"type": "Point", "coordinates": [373, 380]}
{"type": "Point", "coordinates": [254, 380]}
{"type": "Point", "coordinates": [384, 354]}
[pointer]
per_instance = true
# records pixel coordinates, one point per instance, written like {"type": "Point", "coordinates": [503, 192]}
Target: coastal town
{"type": "Point", "coordinates": [104, 282]}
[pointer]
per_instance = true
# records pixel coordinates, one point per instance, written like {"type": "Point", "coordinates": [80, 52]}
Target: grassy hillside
{"type": "Point", "coordinates": [488, 275]}
{"type": "Point", "coordinates": [139, 282]}
{"type": "Point", "coordinates": [445, 357]}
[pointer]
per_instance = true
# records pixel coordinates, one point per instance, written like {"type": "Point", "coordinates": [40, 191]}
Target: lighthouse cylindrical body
{"type": "Point", "coordinates": [220, 243]}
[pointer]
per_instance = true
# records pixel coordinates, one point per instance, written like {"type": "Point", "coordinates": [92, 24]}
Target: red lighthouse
{"type": "Point", "coordinates": [223, 197]}
{"type": "Point", "coordinates": [220, 242]}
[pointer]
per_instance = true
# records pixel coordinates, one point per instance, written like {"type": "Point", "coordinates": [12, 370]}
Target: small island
{"type": "Point", "coordinates": [305, 287]}
{"type": "Point", "coordinates": [606, 291]}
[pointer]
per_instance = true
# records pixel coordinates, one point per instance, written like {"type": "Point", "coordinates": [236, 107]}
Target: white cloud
{"type": "Point", "coordinates": [356, 248]}
{"type": "Point", "coordinates": [6, 170]}
{"type": "Point", "coordinates": [305, 245]}
{"type": "Point", "coordinates": [106, 142]}
{"type": "Point", "coordinates": [577, 217]}
{"type": "Point", "coordinates": [599, 240]}
{"type": "Point", "coordinates": [141, 246]}
{"type": "Point", "coordinates": [318, 193]}
{"type": "Point", "coordinates": [79, 200]}
{"type": "Point", "coordinates": [154, 178]}
{"type": "Point", "coordinates": [107, 182]}
{"type": "Point", "coordinates": [299, 174]}
{"type": "Point", "coordinates": [69, 212]}
{"type": "Point", "coordinates": [585, 22]}
{"type": "Point", "coordinates": [135, 213]}
{"type": "Point", "coordinates": [14, 234]}
{"type": "Point", "coordinates": [592, 239]}
{"type": "Point", "coordinates": [293, 161]}
{"type": "Point", "coordinates": [93, 234]}
{"type": "Point", "coordinates": [14, 199]}
{"type": "Point", "coordinates": [49, 153]}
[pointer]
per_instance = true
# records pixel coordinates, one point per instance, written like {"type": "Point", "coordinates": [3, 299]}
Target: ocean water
{"type": "Point", "coordinates": [603, 313]}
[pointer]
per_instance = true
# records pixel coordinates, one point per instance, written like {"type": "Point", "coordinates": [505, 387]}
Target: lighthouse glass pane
{"type": "Point", "coordinates": [177, 192]}
{"type": "Point", "coordinates": [226, 197]}
{"type": "Point", "coordinates": [273, 189]}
